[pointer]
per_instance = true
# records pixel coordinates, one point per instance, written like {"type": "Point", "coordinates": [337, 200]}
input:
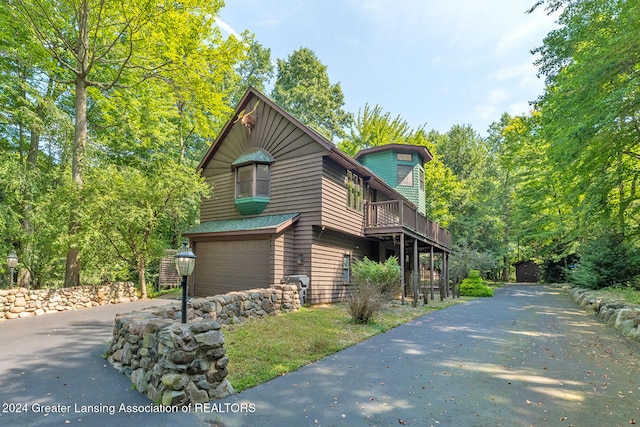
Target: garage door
{"type": "Point", "coordinates": [221, 266]}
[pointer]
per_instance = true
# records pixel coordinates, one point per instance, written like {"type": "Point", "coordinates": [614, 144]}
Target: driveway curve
{"type": "Point", "coordinates": [526, 357]}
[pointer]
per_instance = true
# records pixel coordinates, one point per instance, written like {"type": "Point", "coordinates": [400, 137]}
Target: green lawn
{"type": "Point", "coordinates": [262, 349]}
{"type": "Point", "coordinates": [627, 294]}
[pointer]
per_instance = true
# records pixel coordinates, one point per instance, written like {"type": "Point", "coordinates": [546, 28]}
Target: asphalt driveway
{"type": "Point", "coordinates": [527, 357]}
{"type": "Point", "coordinates": [52, 372]}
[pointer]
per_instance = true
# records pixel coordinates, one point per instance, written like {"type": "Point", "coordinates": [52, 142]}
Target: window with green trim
{"type": "Point", "coordinates": [252, 174]}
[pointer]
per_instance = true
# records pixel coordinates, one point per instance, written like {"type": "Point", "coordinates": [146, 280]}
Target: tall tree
{"type": "Point", "coordinates": [590, 112]}
{"type": "Point", "coordinates": [373, 127]}
{"type": "Point", "coordinates": [590, 118]}
{"type": "Point", "coordinates": [31, 111]}
{"type": "Point", "coordinates": [102, 43]}
{"type": "Point", "coordinates": [129, 206]}
{"type": "Point", "coordinates": [254, 70]}
{"type": "Point", "coordinates": [303, 88]}
{"type": "Point", "coordinates": [466, 154]}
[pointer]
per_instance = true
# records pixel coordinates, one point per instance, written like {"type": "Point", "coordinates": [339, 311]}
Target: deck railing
{"type": "Point", "coordinates": [395, 213]}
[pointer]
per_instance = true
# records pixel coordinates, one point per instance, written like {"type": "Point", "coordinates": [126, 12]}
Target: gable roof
{"type": "Point", "coordinates": [333, 152]}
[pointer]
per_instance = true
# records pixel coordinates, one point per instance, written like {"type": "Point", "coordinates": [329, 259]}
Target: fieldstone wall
{"type": "Point", "coordinates": [623, 316]}
{"type": "Point", "coordinates": [178, 364]}
{"type": "Point", "coordinates": [18, 303]}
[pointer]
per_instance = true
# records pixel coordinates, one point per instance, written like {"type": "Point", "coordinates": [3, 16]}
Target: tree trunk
{"type": "Point", "coordinates": [142, 279]}
{"type": "Point", "coordinates": [72, 271]}
{"type": "Point", "coordinates": [622, 197]}
{"type": "Point", "coordinates": [505, 268]}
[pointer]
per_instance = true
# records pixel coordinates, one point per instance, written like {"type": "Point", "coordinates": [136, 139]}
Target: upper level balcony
{"type": "Point", "coordinates": [396, 216]}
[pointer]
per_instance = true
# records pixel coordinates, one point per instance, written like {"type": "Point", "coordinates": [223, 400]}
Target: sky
{"type": "Point", "coordinates": [435, 63]}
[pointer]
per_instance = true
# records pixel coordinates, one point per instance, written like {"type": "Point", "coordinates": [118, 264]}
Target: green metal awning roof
{"type": "Point", "coordinates": [269, 224]}
{"type": "Point", "coordinates": [255, 155]}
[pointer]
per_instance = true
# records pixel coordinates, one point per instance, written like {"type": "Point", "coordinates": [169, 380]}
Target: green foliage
{"type": "Point", "coordinates": [465, 259]}
{"type": "Point", "coordinates": [470, 187]}
{"type": "Point", "coordinates": [373, 128]}
{"type": "Point", "coordinates": [587, 126]}
{"type": "Point", "coordinates": [303, 88]}
{"type": "Point", "coordinates": [607, 261]}
{"type": "Point", "coordinates": [374, 282]}
{"type": "Point", "coordinates": [385, 276]}
{"type": "Point", "coordinates": [256, 69]}
{"type": "Point", "coordinates": [473, 286]}
{"type": "Point", "coordinates": [158, 78]}
{"type": "Point", "coordinates": [130, 207]}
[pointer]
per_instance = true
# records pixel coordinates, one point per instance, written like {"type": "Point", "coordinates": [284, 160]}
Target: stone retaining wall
{"type": "Point", "coordinates": [623, 316]}
{"type": "Point", "coordinates": [178, 364]}
{"type": "Point", "coordinates": [17, 303]}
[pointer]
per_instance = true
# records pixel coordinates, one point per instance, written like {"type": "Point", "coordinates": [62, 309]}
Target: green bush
{"type": "Point", "coordinates": [608, 260]}
{"type": "Point", "coordinates": [373, 283]}
{"type": "Point", "coordinates": [473, 286]}
{"type": "Point", "coordinates": [386, 276]}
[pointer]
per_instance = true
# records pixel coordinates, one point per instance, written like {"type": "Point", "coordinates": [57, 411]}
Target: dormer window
{"type": "Point", "coordinates": [252, 181]}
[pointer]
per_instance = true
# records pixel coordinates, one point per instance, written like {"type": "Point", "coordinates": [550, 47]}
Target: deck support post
{"type": "Point", "coordinates": [431, 272]}
{"type": "Point", "coordinates": [402, 267]}
{"type": "Point", "coordinates": [415, 273]}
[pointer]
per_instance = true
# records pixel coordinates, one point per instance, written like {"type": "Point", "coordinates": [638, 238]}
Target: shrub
{"type": "Point", "coordinates": [473, 286]}
{"type": "Point", "coordinates": [365, 300]}
{"type": "Point", "coordinates": [386, 276]}
{"type": "Point", "coordinates": [373, 283]}
{"type": "Point", "coordinates": [608, 260]}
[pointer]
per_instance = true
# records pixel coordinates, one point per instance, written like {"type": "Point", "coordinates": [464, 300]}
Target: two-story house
{"type": "Point", "coordinates": [286, 201]}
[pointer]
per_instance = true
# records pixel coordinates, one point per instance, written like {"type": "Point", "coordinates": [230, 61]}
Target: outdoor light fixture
{"type": "Point", "coordinates": [12, 262]}
{"type": "Point", "coordinates": [300, 259]}
{"type": "Point", "coordinates": [185, 263]}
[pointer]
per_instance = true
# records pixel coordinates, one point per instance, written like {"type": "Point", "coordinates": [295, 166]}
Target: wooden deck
{"type": "Point", "coordinates": [397, 216]}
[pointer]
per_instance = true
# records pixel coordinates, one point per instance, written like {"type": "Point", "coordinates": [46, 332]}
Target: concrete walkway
{"type": "Point", "coordinates": [527, 357]}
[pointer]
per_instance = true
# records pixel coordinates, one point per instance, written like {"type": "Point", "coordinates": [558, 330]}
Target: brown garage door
{"type": "Point", "coordinates": [225, 266]}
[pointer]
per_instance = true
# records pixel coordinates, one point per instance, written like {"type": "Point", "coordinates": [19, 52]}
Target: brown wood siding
{"type": "Point", "coordinates": [221, 266]}
{"type": "Point", "coordinates": [284, 256]}
{"type": "Point", "coordinates": [335, 213]}
{"type": "Point", "coordinates": [328, 251]}
{"type": "Point", "coordinates": [220, 204]}
{"type": "Point", "coordinates": [295, 187]}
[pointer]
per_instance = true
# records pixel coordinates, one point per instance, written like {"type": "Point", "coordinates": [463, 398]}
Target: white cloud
{"type": "Point", "coordinates": [227, 28]}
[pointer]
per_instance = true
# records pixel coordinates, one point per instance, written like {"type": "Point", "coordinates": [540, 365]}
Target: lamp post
{"type": "Point", "coordinates": [185, 262]}
{"type": "Point", "coordinates": [12, 262]}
